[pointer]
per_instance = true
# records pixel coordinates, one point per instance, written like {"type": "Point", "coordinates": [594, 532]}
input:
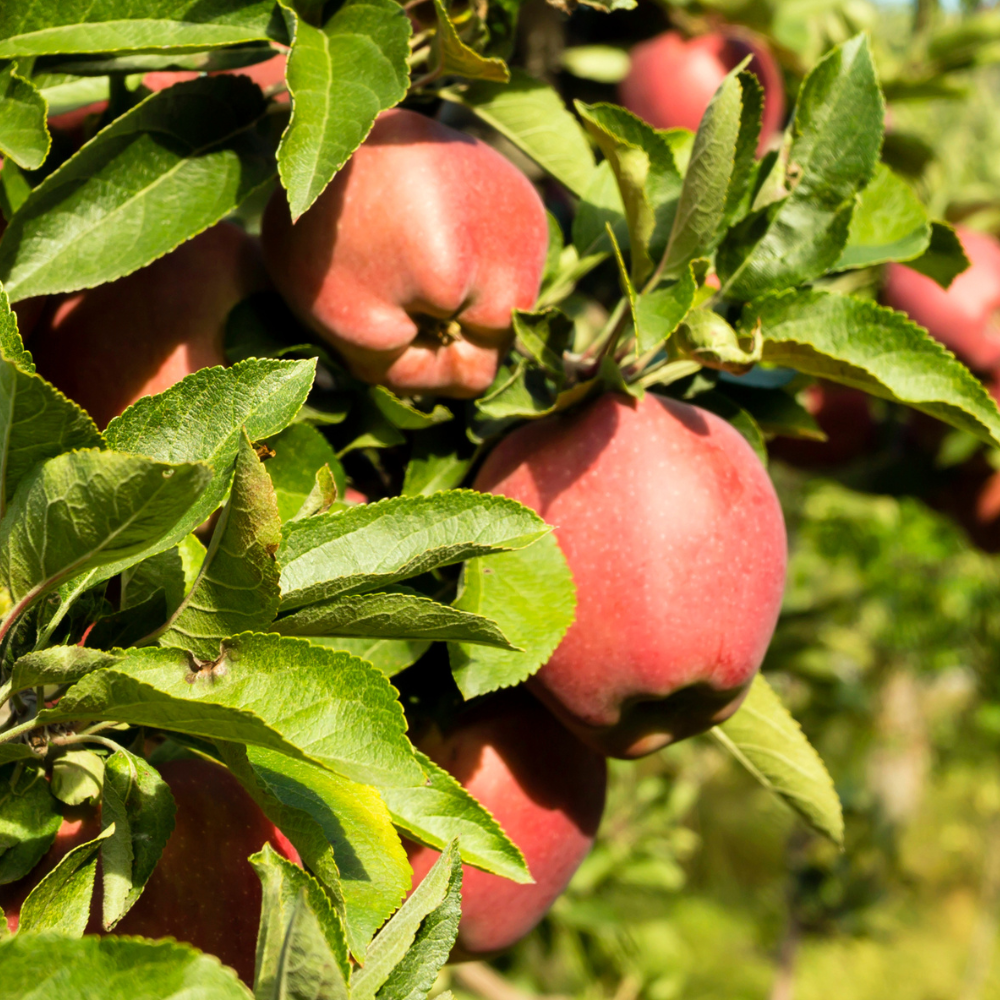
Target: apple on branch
{"type": "Point", "coordinates": [543, 786]}
{"type": "Point", "coordinates": [676, 541]}
{"type": "Point", "coordinates": [414, 256]}
{"type": "Point", "coordinates": [108, 346]}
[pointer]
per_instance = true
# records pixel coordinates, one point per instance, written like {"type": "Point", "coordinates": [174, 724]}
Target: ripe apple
{"type": "Point", "coordinates": [844, 415]}
{"type": "Point", "coordinates": [671, 81]}
{"type": "Point", "coordinates": [966, 316]}
{"type": "Point", "coordinates": [544, 787]}
{"type": "Point", "coordinates": [412, 259]}
{"type": "Point", "coordinates": [108, 346]}
{"type": "Point", "coordinates": [265, 74]}
{"type": "Point", "coordinates": [203, 891]}
{"type": "Point", "coordinates": [676, 542]}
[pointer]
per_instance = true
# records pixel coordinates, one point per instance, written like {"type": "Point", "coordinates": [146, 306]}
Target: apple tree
{"type": "Point", "coordinates": [384, 445]}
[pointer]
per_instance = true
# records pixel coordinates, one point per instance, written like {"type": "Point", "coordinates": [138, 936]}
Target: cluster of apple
{"type": "Point", "coordinates": [410, 265]}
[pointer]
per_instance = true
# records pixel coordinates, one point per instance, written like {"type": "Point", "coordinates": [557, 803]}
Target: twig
{"type": "Point", "coordinates": [479, 978]}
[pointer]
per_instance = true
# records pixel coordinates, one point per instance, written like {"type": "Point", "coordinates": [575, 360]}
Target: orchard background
{"type": "Point", "coordinates": [294, 388]}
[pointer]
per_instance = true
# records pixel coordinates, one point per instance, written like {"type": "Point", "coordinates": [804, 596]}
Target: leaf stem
{"type": "Point", "coordinates": [12, 734]}
{"type": "Point", "coordinates": [60, 613]}
{"type": "Point", "coordinates": [61, 741]}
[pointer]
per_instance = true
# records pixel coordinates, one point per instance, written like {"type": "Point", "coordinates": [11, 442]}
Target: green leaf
{"type": "Point", "coordinates": [406, 615]}
{"type": "Point", "coordinates": [414, 975]}
{"type": "Point", "coordinates": [647, 177]}
{"type": "Point", "coordinates": [658, 313]}
{"type": "Point", "coordinates": [14, 189]}
{"type": "Point", "coordinates": [770, 744]}
{"type": "Point", "coordinates": [706, 337]}
{"type": "Point", "coordinates": [11, 345]}
{"type": "Point", "coordinates": [119, 968]}
{"type": "Point", "coordinates": [441, 809]}
{"type": "Point", "coordinates": [435, 463]}
{"type": "Point", "coordinates": [57, 665]}
{"type": "Point", "coordinates": [455, 57]}
{"type": "Point", "coordinates": [36, 420]}
{"type": "Point", "coordinates": [340, 76]}
{"type": "Point", "coordinates": [374, 873]}
{"type": "Point", "coordinates": [532, 115]}
{"type": "Point", "coordinates": [306, 834]}
{"type": "Point", "coordinates": [70, 26]}
{"type": "Point", "coordinates": [172, 573]}
{"type": "Point", "coordinates": [390, 967]}
{"type": "Point", "coordinates": [263, 690]}
{"type": "Point", "coordinates": [138, 803]}
{"type": "Point", "coordinates": [601, 203]}
{"type": "Point", "coordinates": [861, 344]}
{"type": "Point", "coordinates": [388, 655]}
{"type": "Point", "coordinates": [10, 752]}
{"type": "Point", "coordinates": [299, 452]}
{"type": "Point", "coordinates": [237, 586]}
{"type": "Point", "coordinates": [77, 776]}
{"type": "Point", "coordinates": [704, 198]}
{"type": "Point", "coordinates": [373, 428]}
{"type": "Point", "coordinates": [23, 134]}
{"type": "Point", "coordinates": [61, 900]}
{"type": "Point", "coordinates": [87, 509]}
{"type": "Point", "coordinates": [203, 417]}
{"type": "Point", "coordinates": [301, 948]}
{"type": "Point", "coordinates": [889, 223]}
{"type": "Point", "coordinates": [405, 415]}
{"type": "Point", "coordinates": [835, 142]}
{"type": "Point", "coordinates": [531, 596]}
{"type": "Point", "coordinates": [373, 545]}
{"type": "Point", "coordinates": [29, 821]}
{"type": "Point", "coordinates": [601, 63]}
{"type": "Point", "coordinates": [171, 167]}
{"type": "Point", "coordinates": [521, 390]}
{"type": "Point", "coordinates": [321, 497]}
{"type": "Point", "coordinates": [544, 335]}
{"type": "Point", "coordinates": [944, 259]}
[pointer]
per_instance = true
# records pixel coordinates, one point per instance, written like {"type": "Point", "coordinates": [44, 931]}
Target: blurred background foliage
{"type": "Point", "coordinates": [702, 885]}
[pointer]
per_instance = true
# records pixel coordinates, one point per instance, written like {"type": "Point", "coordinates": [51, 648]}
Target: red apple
{"type": "Point", "coordinates": [844, 415]}
{"type": "Point", "coordinates": [671, 81]}
{"type": "Point", "coordinates": [544, 787]}
{"type": "Point", "coordinates": [676, 542]}
{"type": "Point", "coordinates": [108, 346]}
{"type": "Point", "coordinates": [966, 316]}
{"type": "Point", "coordinates": [411, 261]}
{"type": "Point", "coordinates": [203, 891]}
{"type": "Point", "coordinates": [265, 74]}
